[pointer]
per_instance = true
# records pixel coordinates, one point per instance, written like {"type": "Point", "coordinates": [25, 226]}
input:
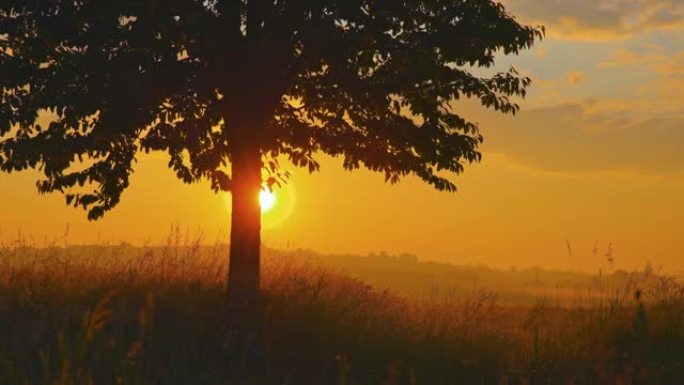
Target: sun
{"type": "Point", "coordinates": [267, 200]}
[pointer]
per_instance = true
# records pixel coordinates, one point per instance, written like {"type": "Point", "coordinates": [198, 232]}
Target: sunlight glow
{"type": "Point", "coordinates": [267, 199]}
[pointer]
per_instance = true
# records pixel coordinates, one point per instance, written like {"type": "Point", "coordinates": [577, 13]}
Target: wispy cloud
{"type": "Point", "coordinates": [576, 77]}
{"type": "Point", "coordinates": [600, 19]}
{"type": "Point", "coordinates": [573, 138]}
{"type": "Point", "coordinates": [654, 59]}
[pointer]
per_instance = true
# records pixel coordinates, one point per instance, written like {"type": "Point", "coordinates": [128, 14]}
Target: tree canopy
{"type": "Point", "coordinates": [368, 80]}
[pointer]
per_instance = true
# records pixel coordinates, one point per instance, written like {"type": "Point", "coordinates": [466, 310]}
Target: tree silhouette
{"type": "Point", "coordinates": [237, 84]}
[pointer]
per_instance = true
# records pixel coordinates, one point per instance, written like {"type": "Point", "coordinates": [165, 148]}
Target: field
{"type": "Point", "coordinates": [154, 315]}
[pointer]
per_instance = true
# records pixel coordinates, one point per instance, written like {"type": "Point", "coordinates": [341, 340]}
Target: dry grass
{"type": "Point", "coordinates": [124, 315]}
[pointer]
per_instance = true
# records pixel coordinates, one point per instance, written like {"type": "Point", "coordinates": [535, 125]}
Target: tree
{"type": "Point", "coordinates": [241, 83]}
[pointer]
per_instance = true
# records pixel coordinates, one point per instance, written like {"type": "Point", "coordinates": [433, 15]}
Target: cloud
{"type": "Point", "coordinates": [569, 138]}
{"type": "Point", "coordinates": [663, 91]}
{"type": "Point", "coordinates": [599, 19]}
{"type": "Point", "coordinates": [643, 82]}
{"type": "Point", "coordinates": [670, 65]}
{"type": "Point", "coordinates": [576, 77]}
{"type": "Point", "coordinates": [654, 59]}
{"type": "Point", "coordinates": [621, 57]}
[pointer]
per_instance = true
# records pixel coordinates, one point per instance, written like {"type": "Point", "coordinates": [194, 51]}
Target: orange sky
{"type": "Point", "coordinates": [595, 156]}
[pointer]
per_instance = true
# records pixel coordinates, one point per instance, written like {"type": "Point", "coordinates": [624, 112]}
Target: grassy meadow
{"type": "Point", "coordinates": [155, 315]}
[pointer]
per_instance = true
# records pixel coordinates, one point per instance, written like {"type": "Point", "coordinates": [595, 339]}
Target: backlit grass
{"type": "Point", "coordinates": [123, 315]}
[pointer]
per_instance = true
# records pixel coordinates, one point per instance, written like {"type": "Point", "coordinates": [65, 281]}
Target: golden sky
{"type": "Point", "coordinates": [595, 157]}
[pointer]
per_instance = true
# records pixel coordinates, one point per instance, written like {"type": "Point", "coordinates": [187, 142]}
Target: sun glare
{"type": "Point", "coordinates": [267, 199]}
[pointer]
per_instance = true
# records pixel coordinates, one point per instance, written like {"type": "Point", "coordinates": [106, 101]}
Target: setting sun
{"type": "Point", "coordinates": [267, 200]}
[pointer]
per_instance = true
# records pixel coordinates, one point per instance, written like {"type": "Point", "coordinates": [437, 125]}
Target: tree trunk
{"type": "Point", "coordinates": [245, 231]}
{"type": "Point", "coordinates": [244, 305]}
